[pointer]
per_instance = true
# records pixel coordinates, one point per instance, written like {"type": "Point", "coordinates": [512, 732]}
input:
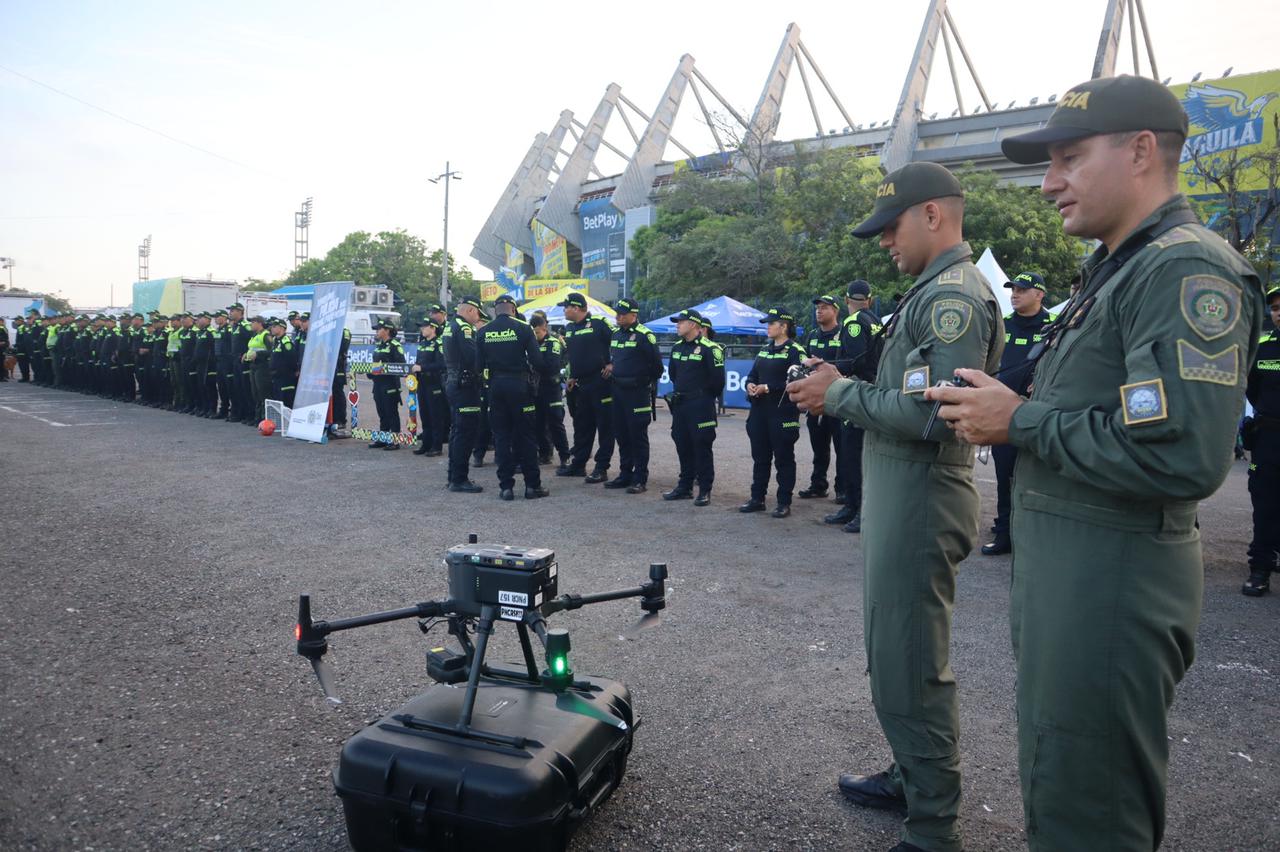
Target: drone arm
{"type": "Point", "coordinates": [426, 609]}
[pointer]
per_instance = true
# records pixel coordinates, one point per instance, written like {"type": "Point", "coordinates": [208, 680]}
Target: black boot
{"type": "Point", "coordinates": [1258, 584]}
{"type": "Point", "coordinates": [873, 791]}
{"type": "Point", "coordinates": [752, 505]}
{"type": "Point", "coordinates": [998, 545]}
{"type": "Point", "coordinates": [842, 517]}
{"type": "Point", "coordinates": [599, 474]}
{"type": "Point", "coordinates": [678, 493]}
{"type": "Point", "coordinates": [813, 491]}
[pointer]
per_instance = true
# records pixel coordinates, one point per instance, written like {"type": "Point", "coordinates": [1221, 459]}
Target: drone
{"type": "Point", "coordinates": [544, 749]}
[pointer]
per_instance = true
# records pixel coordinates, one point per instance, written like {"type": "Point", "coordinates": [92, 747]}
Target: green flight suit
{"type": "Point", "coordinates": [919, 520]}
{"type": "Point", "coordinates": [1132, 420]}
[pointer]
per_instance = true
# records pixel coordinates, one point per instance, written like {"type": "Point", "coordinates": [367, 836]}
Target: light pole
{"type": "Point", "coordinates": [7, 263]}
{"type": "Point", "coordinates": [444, 264]}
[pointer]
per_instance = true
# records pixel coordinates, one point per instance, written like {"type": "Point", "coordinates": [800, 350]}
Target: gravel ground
{"type": "Point", "coordinates": [150, 697]}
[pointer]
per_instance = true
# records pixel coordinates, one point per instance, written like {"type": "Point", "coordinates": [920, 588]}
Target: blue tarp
{"type": "Point", "coordinates": [728, 316]}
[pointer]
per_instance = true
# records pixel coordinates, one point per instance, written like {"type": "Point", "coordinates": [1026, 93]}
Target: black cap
{"type": "Point", "coordinates": [235, 307]}
{"type": "Point", "coordinates": [473, 302]}
{"type": "Point", "coordinates": [626, 306]}
{"type": "Point", "coordinates": [704, 322]}
{"type": "Point", "coordinates": [216, 314]}
{"type": "Point", "coordinates": [777, 315]}
{"type": "Point", "coordinates": [914, 183]}
{"type": "Point", "coordinates": [435, 309]}
{"type": "Point", "coordinates": [293, 314]}
{"type": "Point", "coordinates": [1027, 280]}
{"type": "Point", "coordinates": [856, 288]}
{"type": "Point", "coordinates": [1106, 105]}
{"type": "Point", "coordinates": [827, 300]}
{"type": "Point", "coordinates": [505, 299]}
{"type": "Point", "coordinates": [688, 314]}
{"type": "Point", "coordinates": [425, 321]}
{"type": "Point", "coordinates": [575, 300]}
{"type": "Point", "coordinates": [305, 316]}
{"type": "Point", "coordinates": [1272, 293]}
{"type": "Point", "coordinates": [277, 321]}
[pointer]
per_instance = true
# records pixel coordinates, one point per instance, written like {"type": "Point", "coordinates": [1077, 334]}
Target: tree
{"type": "Point", "coordinates": [1246, 218]}
{"type": "Point", "coordinates": [57, 303]}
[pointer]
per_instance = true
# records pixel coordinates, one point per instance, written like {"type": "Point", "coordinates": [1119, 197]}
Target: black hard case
{"type": "Point", "coordinates": [407, 788]}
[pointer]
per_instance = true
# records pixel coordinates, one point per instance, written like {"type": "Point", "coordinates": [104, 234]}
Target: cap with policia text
{"type": "Point", "coordinates": [688, 314]}
{"type": "Point", "coordinates": [1107, 105]}
{"type": "Point", "coordinates": [1272, 294]}
{"type": "Point", "coordinates": [504, 299]}
{"type": "Point", "coordinates": [625, 306]}
{"type": "Point", "coordinates": [575, 300]}
{"type": "Point", "coordinates": [473, 302]}
{"type": "Point", "coordinates": [914, 183]}
{"type": "Point", "coordinates": [276, 321]}
{"type": "Point", "coordinates": [1027, 280]}
{"type": "Point", "coordinates": [777, 315]}
{"type": "Point", "coordinates": [435, 309]}
{"type": "Point", "coordinates": [827, 300]}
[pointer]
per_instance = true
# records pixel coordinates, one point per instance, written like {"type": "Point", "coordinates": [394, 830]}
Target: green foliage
{"type": "Point", "coordinates": [393, 259]}
{"type": "Point", "coordinates": [57, 303]}
{"type": "Point", "coordinates": [787, 239]}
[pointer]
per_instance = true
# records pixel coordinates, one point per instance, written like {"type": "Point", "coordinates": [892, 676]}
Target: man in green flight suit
{"type": "Point", "coordinates": [1131, 421]}
{"type": "Point", "coordinates": [923, 519]}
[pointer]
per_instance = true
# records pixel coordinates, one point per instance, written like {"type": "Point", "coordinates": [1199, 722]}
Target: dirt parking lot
{"type": "Point", "coordinates": [150, 697]}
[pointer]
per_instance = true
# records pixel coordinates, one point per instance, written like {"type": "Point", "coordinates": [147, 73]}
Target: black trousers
{"type": "Point", "coordinates": [824, 432]}
{"type": "Point", "coordinates": [340, 399]}
{"type": "Point", "coordinates": [632, 412]}
{"type": "Point", "coordinates": [433, 415]}
{"type": "Point", "coordinates": [192, 395]}
{"type": "Point", "coordinates": [386, 398]}
{"type": "Point", "coordinates": [24, 366]}
{"type": "Point", "coordinates": [484, 432]}
{"type": "Point", "coordinates": [773, 432]}
{"type": "Point", "coordinates": [592, 415]}
{"type": "Point", "coordinates": [1005, 456]}
{"type": "Point", "coordinates": [1264, 492]}
{"type": "Point", "coordinates": [285, 392]}
{"type": "Point", "coordinates": [849, 464]}
{"type": "Point", "coordinates": [693, 429]}
{"type": "Point", "coordinates": [226, 387]}
{"type": "Point", "coordinates": [549, 424]}
{"type": "Point", "coordinates": [511, 416]}
{"type": "Point", "coordinates": [464, 428]}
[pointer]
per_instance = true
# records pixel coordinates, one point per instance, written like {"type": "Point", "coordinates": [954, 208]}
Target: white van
{"type": "Point", "coordinates": [360, 323]}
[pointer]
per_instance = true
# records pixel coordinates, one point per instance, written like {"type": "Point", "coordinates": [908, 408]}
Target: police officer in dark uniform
{"type": "Point", "coordinates": [432, 411]}
{"type": "Point", "coordinates": [857, 359]}
{"type": "Point", "coordinates": [204, 368]}
{"type": "Point", "coordinates": [549, 406]}
{"type": "Point", "coordinates": [283, 363]}
{"type": "Point", "coordinates": [635, 367]}
{"type": "Point", "coordinates": [22, 342]}
{"type": "Point", "coordinates": [339, 392]}
{"type": "Point", "coordinates": [823, 341]}
{"type": "Point", "coordinates": [238, 333]}
{"type": "Point", "coordinates": [1262, 440]}
{"type": "Point", "coordinates": [186, 364]}
{"type": "Point", "coordinates": [1024, 327]}
{"type": "Point", "coordinates": [587, 340]}
{"type": "Point", "coordinates": [462, 387]}
{"type": "Point", "coordinates": [697, 377]}
{"type": "Point", "coordinates": [38, 344]}
{"type": "Point", "coordinates": [386, 389]}
{"type": "Point", "coordinates": [773, 425]}
{"type": "Point", "coordinates": [507, 350]}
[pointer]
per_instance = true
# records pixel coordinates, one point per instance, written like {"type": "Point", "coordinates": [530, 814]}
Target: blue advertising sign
{"type": "Point", "coordinates": [603, 240]}
{"type": "Point", "coordinates": [329, 305]}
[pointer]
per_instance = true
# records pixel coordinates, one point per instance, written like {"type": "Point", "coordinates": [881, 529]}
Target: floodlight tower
{"type": "Point", "coordinates": [144, 259]}
{"type": "Point", "coordinates": [302, 234]}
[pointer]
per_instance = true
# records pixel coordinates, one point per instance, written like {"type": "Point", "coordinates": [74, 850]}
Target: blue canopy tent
{"type": "Point", "coordinates": [727, 316]}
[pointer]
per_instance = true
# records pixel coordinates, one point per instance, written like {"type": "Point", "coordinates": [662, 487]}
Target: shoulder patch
{"type": "Point", "coordinates": [950, 319]}
{"type": "Point", "coordinates": [1144, 402]}
{"type": "Point", "coordinates": [915, 379]}
{"type": "Point", "coordinates": [651, 337]}
{"type": "Point", "coordinates": [1210, 305]}
{"type": "Point", "coordinates": [1175, 236]}
{"type": "Point", "coordinates": [467, 330]}
{"type": "Point", "coordinates": [1197, 366]}
{"type": "Point", "coordinates": [954, 275]}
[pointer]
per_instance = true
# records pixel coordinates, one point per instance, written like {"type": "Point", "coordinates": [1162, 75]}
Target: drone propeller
{"type": "Point", "coordinates": [571, 702]}
{"type": "Point", "coordinates": [324, 673]}
{"type": "Point", "coordinates": [644, 622]}
{"type": "Point", "coordinates": [313, 646]}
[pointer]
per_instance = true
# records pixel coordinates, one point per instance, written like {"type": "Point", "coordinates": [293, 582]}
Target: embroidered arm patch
{"type": "Point", "coordinates": [1210, 305]}
{"type": "Point", "coordinates": [915, 380]}
{"type": "Point", "coordinates": [950, 319]}
{"type": "Point", "coordinates": [1144, 402]}
{"type": "Point", "coordinates": [1197, 366]}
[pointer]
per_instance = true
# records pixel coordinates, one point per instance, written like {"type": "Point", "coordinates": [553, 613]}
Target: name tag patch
{"type": "Point", "coordinates": [1197, 366]}
{"type": "Point", "coordinates": [915, 380]}
{"type": "Point", "coordinates": [1144, 402]}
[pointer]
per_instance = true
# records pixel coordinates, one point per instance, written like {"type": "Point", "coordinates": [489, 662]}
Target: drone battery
{"type": "Point", "coordinates": [408, 782]}
{"type": "Point", "coordinates": [501, 575]}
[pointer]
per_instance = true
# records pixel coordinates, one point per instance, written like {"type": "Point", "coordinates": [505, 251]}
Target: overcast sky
{"type": "Point", "coordinates": [357, 104]}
